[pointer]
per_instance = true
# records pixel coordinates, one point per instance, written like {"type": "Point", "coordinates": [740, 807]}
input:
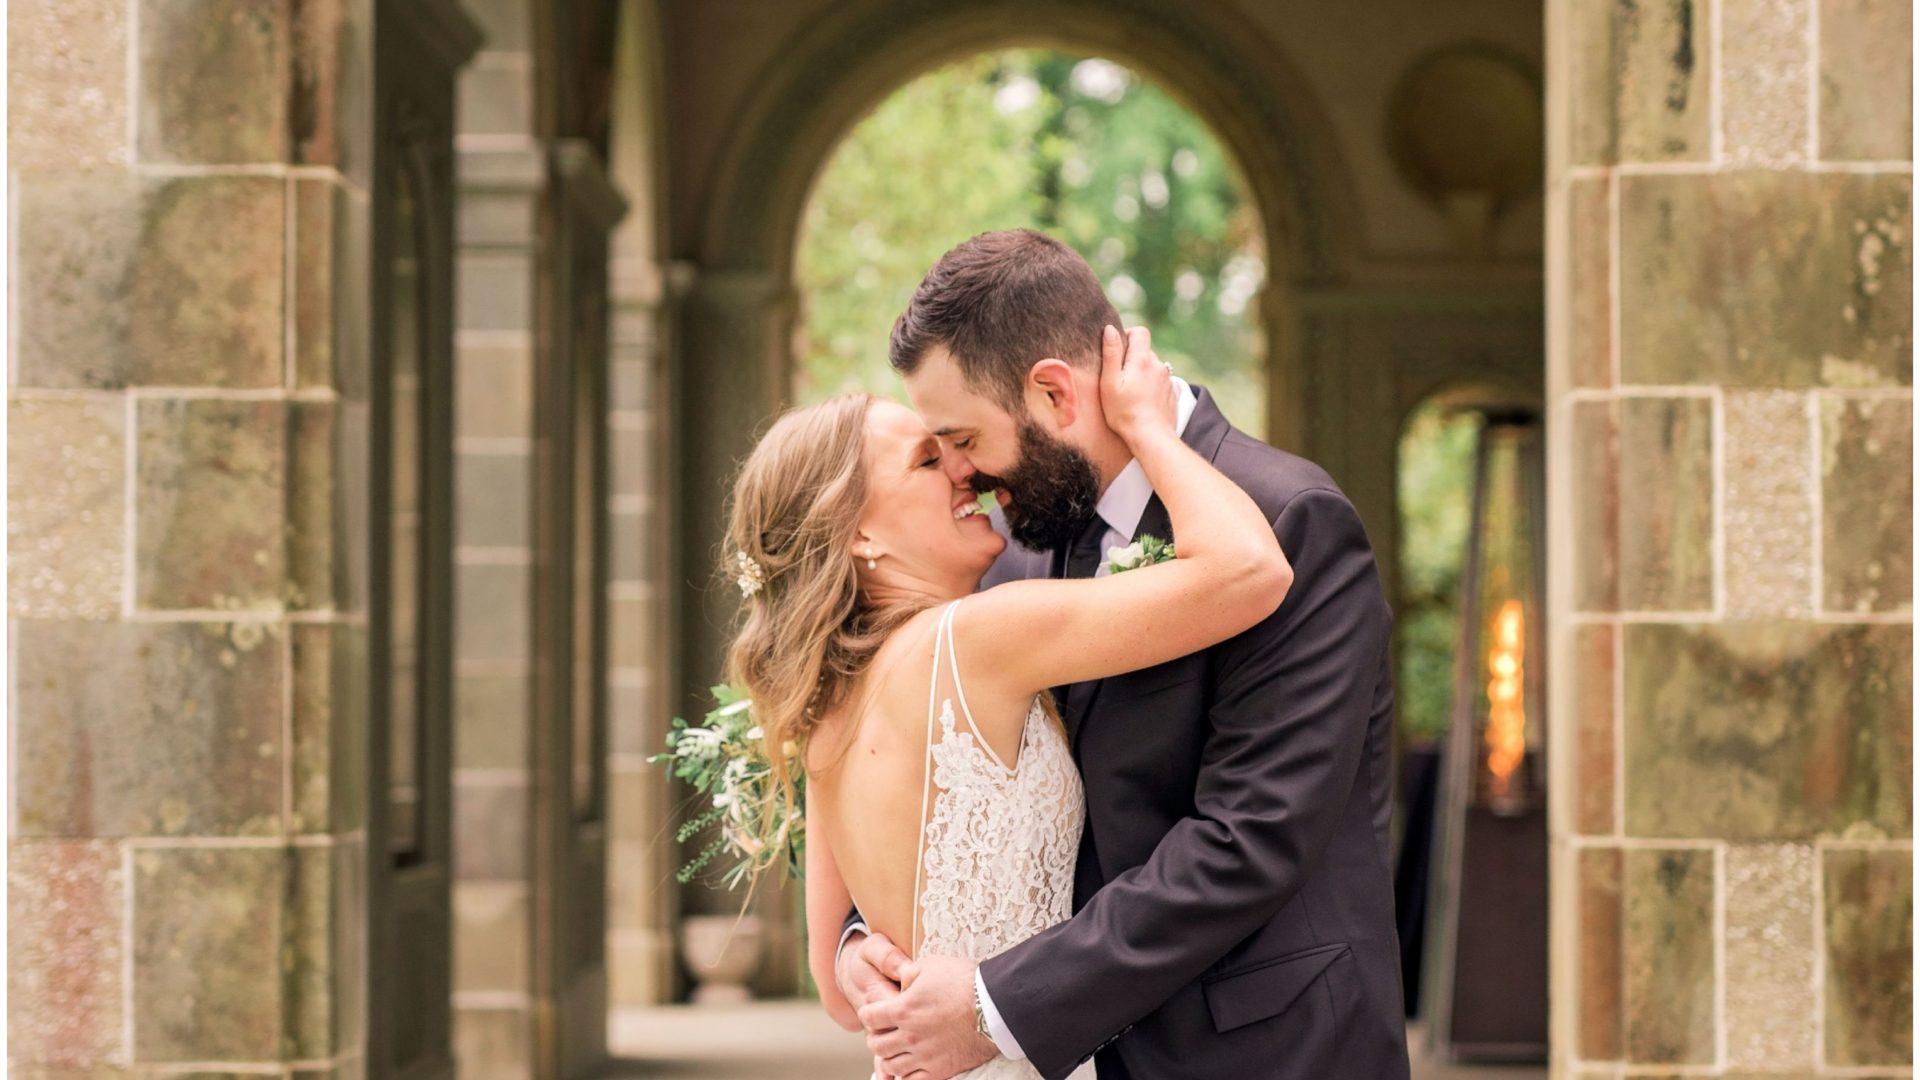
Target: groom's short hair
{"type": "Point", "coordinates": [1001, 302]}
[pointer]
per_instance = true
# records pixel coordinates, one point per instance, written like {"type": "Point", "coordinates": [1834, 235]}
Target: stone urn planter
{"type": "Point", "coordinates": [722, 952]}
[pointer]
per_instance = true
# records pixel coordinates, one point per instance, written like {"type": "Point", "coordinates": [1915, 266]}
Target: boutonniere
{"type": "Point", "coordinates": [1142, 552]}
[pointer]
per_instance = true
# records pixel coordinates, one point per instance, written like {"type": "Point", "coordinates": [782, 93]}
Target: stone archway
{"type": "Point", "coordinates": [737, 313]}
{"type": "Point", "coordinates": [735, 321]}
{"type": "Point", "coordinates": [1261, 111]}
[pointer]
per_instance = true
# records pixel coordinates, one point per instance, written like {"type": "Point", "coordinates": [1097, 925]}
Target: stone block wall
{"type": "Point", "coordinates": [1730, 375]}
{"type": "Point", "coordinates": [641, 887]}
{"type": "Point", "coordinates": [642, 895]}
{"type": "Point", "coordinates": [189, 438]}
{"type": "Point", "coordinates": [502, 177]}
{"type": "Point", "coordinates": [493, 776]}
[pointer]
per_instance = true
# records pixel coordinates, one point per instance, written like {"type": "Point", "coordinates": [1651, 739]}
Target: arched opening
{"type": "Point", "coordinates": [1433, 504]}
{"type": "Point", "coordinates": [738, 230]}
{"type": "Point", "coordinates": [1092, 150]}
{"type": "Point", "coordinates": [1082, 147]}
{"type": "Point", "coordinates": [1348, 338]}
{"type": "Point", "coordinates": [1470, 838]}
{"type": "Point", "coordinates": [1434, 499]}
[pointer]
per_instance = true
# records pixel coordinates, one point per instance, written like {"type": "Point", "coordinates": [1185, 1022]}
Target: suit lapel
{"type": "Point", "coordinates": [1207, 428]}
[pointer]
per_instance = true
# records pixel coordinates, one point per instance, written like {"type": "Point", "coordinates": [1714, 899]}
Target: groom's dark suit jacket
{"type": "Point", "coordinates": [1234, 897]}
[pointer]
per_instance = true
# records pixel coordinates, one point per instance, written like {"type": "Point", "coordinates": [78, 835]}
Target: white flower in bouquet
{"type": "Point", "coordinates": [726, 760]}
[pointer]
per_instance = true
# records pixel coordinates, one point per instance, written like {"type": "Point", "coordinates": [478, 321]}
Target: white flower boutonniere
{"type": "Point", "coordinates": [1142, 552]}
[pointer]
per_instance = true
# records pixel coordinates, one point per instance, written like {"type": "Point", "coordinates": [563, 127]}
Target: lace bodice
{"type": "Point", "coordinates": [999, 843]}
{"type": "Point", "coordinates": [999, 847]}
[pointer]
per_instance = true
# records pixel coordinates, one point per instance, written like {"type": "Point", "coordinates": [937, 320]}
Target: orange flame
{"type": "Point", "coordinates": [1506, 705]}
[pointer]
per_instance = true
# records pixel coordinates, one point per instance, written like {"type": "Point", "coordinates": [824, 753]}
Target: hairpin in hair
{"type": "Point", "coordinates": [752, 577]}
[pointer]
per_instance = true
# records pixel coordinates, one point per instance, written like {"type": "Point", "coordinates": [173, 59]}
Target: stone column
{"type": "Point", "coordinates": [640, 862]}
{"type": "Point", "coordinates": [188, 461]}
{"type": "Point", "coordinates": [643, 903]}
{"type": "Point", "coordinates": [500, 188]}
{"type": "Point", "coordinates": [502, 170]}
{"type": "Point", "coordinates": [1730, 378]}
{"type": "Point", "coordinates": [733, 338]}
{"type": "Point", "coordinates": [733, 328]}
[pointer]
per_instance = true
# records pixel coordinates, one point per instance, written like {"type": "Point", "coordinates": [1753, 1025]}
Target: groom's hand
{"type": "Point", "coordinates": [927, 1031]}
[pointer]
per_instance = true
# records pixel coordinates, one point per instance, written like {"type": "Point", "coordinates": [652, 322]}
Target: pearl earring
{"type": "Point", "coordinates": [872, 563]}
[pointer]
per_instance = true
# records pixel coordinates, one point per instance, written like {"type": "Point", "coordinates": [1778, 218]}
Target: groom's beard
{"type": "Point", "coordinates": [1054, 489]}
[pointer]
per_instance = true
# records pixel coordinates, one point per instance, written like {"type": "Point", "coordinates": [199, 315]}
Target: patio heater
{"type": "Point", "coordinates": [1485, 992]}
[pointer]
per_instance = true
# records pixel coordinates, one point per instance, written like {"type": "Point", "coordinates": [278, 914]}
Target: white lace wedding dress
{"type": "Point", "coordinates": [998, 846]}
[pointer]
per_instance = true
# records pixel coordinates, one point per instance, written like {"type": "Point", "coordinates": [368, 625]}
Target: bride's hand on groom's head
{"type": "Point", "coordinates": [1136, 388]}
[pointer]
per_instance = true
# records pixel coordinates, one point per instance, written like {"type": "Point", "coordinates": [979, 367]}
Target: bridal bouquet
{"type": "Point", "coordinates": [727, 761]}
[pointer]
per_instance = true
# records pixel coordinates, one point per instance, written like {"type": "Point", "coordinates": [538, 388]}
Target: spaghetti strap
{"type": "Point", "coordinates": [940, 635]}
{"type": "Point", "coordinates": [960, 691]}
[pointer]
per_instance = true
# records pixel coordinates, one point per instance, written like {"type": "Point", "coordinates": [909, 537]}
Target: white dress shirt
{"type": "Point", "coordinates": [1121, 506]}
{"type": "Point", "coordinates": [1126, 499]}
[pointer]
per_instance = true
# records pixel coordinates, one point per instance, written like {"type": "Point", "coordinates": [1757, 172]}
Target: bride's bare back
{"type": "Point", "coordinates": [866, 768]}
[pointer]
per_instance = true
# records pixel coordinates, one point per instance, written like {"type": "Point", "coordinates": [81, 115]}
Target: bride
{"type": "Point", "coordinates": [942, 798]}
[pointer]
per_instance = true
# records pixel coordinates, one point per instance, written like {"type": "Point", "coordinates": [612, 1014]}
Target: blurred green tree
{"type": "Point", "coordinates": [1080, 147]}
{"type": "Point", "coordinates": [1435, 498]}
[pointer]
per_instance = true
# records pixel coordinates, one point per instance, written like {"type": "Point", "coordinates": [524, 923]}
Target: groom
{"type": "Point", "coordinates": [1233, 897]}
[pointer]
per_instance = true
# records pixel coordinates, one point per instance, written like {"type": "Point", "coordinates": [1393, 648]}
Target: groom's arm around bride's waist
{"type": "Point", "coordinates": [1288, 725]}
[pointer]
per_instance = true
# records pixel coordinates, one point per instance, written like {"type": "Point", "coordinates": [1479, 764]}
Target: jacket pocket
{"type": "Point", "coordinates": [1266, 988]}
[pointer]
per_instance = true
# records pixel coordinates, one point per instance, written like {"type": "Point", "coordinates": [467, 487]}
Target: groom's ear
{"type": "Point", "coordinates": [1050, 386]}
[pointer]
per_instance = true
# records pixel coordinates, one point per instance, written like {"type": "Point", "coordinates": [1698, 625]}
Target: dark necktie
{"type": "Point", "coordinates": [1083, 558]}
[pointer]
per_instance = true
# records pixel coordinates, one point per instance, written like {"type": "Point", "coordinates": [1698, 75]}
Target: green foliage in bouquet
{"type": "Point", "coordinates": [754, 825]}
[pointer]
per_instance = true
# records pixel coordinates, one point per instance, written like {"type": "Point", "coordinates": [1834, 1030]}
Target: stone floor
{"type": "Point", "coordinates": [795, 1041]}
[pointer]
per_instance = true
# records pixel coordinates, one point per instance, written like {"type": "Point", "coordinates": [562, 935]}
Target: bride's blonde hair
{"type": "Point", "coordinates": [805, 634]}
